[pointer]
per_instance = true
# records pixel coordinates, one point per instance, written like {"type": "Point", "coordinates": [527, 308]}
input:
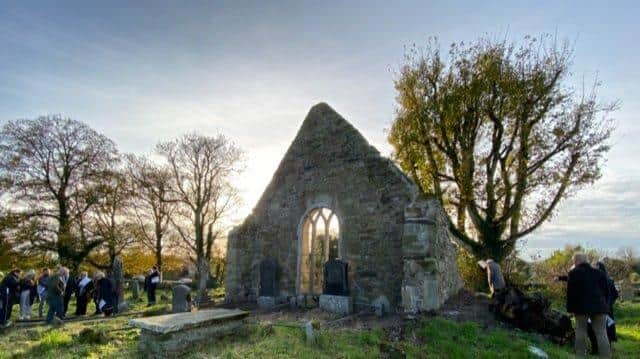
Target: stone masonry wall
{"type": "Point", "coordinates": [329, 164]}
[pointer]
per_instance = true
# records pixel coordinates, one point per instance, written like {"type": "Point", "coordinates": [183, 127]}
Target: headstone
{"type": "Point", "coordinates": [181, 301]}
{"type": "Point", "coordinates": [310, 333]}
{"type": "Point", "coordinates": [381, 306]}
{"type": "Point", "coordinates": [135, 289]}
{"type": "Point", "coordinates": [627, 290]}
{"type": "Point", "coordinates": [268, 278]}
{"type": "Point", "coordinates": [336, 278]}
{"type": "Point", "coordinates": [203, 276]}
{"type": "Point", "coordinates": [118, 277]}
{"type": "Point", "coordinates": [123, 306]}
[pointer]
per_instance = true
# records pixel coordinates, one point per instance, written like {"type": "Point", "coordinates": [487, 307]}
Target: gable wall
{"type": "Point", "coordinates": [328, 164]}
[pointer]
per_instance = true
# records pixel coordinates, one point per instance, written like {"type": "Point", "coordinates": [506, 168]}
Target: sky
{"type": "Point", "coordinates": [145, 71]}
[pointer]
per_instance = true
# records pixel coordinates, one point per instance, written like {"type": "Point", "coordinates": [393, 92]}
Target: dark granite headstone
{"type": "Point", "coordinates": [268, 278]}
{"type": "Point", "coordinates": [336, 277]}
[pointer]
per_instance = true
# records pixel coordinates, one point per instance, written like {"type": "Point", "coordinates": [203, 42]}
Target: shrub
{"type": "Point", "coordinates": [473, 277]}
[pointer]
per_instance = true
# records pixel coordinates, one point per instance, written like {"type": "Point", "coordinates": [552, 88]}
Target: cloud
{"type": "Point", "coordinates": [605, 216]}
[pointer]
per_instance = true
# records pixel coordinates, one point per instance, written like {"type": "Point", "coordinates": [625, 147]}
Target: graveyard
{"type": "Point", "coordinates": [331, 292]}
{"type": "Point", "coordinates": [281, 333]}
{"type": "Point", "coordinates": [296, 179]}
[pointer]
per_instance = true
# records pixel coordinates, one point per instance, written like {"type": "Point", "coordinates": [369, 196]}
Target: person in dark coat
{"type": "Point", "coordinates": [151, 284]}
{"type": "Point", "coordinates": [69, 289]}
{"type": "Point", "coordinates": [9, 291]}
{"type": "Point", "coordinates": [42, 290]}
{"type": "Point", "coordinates": [106, 294]}
{"type": "Point", "coordinates": [84, 291]}
{"type": "Point", "coordinates": [610, 320]}
{"type": "Point", "coordinates": [55, 294]}
{"type": "Point", "coordinates": [587, 293]}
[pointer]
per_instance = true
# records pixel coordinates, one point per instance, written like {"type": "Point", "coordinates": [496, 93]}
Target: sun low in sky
{"type": "Point", "coordinates": [140, 72]}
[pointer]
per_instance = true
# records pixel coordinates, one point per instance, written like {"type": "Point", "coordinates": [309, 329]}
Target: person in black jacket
{"type": "Point", "coordinates": [150, 284]}
{"type": "Point", "coordinates": [587, 293]}
{"type": "Point", "coordinates": [106, 294]}
{"type": "Point", "coordinates": [610, 322]}
{"type": "Point", "coordinates": [9, 289]}
{"type": "Point", "coordinates": [84, 291]}
{"type": "Point", "coordinates": [69, 289]}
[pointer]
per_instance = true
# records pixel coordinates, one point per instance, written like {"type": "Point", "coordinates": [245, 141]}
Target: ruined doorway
{"type": "Point", "coordinates": [319, 243]}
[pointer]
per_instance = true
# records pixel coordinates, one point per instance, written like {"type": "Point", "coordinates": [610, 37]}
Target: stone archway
{"type": "Point", "coordinates": [319, 242]}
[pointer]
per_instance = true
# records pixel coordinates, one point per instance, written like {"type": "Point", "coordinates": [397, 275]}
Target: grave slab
{"type": "Point", "coordinates": [167, 336]}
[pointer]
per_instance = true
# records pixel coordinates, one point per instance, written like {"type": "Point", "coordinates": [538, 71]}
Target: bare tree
{"type": "Point", "coordinates": [152, 204]}
{"type": "Point", "coordinates": [109, 219]}
{"type": "Point", "coordinates": [50, 167]}
{"type": "Point", "coordinates": [201, 168]}
{"type": "Point", "coordinates": [497, 136]}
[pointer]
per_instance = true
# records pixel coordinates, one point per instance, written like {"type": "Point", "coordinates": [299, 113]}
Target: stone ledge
{"type": "Point", "coordinates": [171, 323]}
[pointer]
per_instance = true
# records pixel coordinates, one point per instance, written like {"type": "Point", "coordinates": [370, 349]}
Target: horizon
{"type": "Point", "coordinates": [151, 71]}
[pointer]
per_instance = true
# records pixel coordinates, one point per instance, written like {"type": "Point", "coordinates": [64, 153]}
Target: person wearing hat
{"type": "Point", "coordinates": [28, 294]}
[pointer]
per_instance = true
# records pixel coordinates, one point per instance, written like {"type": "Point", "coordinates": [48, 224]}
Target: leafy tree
{"type": "Point", "coordinates": [50, 167]}
{"type": "Point", "coordinates": [201, 169]}
{"type": "Point", "coordinates": [152, 203]}
{"type": "Point", "coordinates": [498, 136]}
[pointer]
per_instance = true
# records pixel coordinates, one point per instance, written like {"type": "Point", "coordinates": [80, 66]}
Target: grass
{"type": "Point", "coordinates": [427, 338]}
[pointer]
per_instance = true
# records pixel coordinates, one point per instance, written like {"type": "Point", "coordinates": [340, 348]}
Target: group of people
{"type": "Point", "coordinates": [55, 289]}
{"type": "Point", "coordinates": [591, 295]}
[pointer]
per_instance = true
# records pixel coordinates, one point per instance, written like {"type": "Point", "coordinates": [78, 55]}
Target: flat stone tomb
{"type": "Point", "coordinates": [167, 336]}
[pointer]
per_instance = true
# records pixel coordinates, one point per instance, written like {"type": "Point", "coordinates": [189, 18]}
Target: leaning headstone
{"type": "Point", "coordinates": [309, 332]}
{"type": "Point", "coordinates": [181, 301]}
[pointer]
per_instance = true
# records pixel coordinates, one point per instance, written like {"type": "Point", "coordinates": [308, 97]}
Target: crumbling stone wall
{"type": "Point", "coordinates": [330, 164]}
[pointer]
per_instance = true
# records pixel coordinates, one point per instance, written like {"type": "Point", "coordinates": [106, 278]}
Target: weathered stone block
{"type": "Point", "coordinates": [266, 303]}
{"type": "Point", "coordinates": [336, 304]}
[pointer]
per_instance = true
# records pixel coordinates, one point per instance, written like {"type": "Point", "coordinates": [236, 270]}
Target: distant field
{"type": "Point", "coordinates": [427, 337]}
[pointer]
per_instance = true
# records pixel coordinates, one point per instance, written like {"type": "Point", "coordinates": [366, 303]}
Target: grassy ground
{"type": "Point", "coordinates": [428, 337]}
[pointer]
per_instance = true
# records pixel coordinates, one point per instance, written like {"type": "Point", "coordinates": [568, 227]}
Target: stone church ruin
{"type": "Point", "coordinates": [341, 226]}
